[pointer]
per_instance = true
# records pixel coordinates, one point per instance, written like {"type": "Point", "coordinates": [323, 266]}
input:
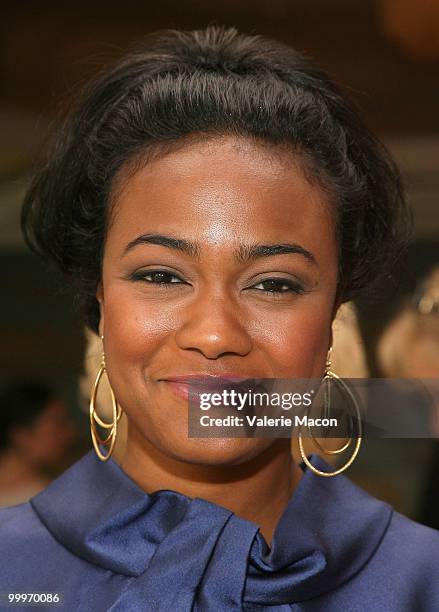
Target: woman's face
{"type": "Point", "coordinates": [201, 303]}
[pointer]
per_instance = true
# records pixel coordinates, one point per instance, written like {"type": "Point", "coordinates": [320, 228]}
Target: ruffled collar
{"type": "Point", "coordinates": [328, 531]}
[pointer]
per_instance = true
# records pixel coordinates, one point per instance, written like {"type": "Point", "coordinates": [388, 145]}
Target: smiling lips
{"type": "Point", "coordinates": [193, 385]}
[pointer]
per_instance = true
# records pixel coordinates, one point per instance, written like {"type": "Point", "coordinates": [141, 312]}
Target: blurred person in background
{"type": "Point", "coordinates": [409, 348]}
{"type": "Point", "coordinates": [36, 434]}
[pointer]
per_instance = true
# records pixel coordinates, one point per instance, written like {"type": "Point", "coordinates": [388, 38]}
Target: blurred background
{"type": "Point", "coordinates": [385, 53]}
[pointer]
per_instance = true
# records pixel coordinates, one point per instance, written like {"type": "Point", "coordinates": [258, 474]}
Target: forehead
{"type": "Point", "coordinates": [221, 189]}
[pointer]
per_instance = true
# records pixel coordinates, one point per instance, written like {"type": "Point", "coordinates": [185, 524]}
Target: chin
{"type": "Point", "coordinates": [214, 451]}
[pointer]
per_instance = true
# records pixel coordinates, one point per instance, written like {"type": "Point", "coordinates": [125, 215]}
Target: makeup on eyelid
{"type": "Point", "coordinates": [291, 285]}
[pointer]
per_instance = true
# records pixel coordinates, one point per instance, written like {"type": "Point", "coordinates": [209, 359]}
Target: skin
{"type": "Point", "coordinates": [215, 314]}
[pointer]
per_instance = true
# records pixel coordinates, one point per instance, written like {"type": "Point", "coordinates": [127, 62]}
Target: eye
{"type": "Point", "coordinates": [157, 277]}
{"type": "Point", "coordinates": [279, 286]}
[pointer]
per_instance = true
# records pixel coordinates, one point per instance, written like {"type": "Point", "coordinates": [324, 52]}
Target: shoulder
{"type": "Point", "coordinates": [33, 559]}
{"type": "Point", "coordinates": [26, 543]}
{"type": "Point", "coordinates": [413, 540]}
{"type": "Point", "coordinates": [21, 529]}
{"type": "Point", "coordinates": [408, 559]}
{"type": "Point", "coordinates": [23, 537]}
{"type": "Point", "coordinates": [16, 521]}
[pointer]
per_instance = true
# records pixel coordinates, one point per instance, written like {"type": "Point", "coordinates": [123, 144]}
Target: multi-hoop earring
{"type": "Point", "coordinates": [328, 381]}
{"type": "Point", "coordinates": [110, 440]}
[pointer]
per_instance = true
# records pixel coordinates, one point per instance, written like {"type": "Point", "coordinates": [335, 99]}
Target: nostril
{"type": "Point", "coordinates": [213, 343]}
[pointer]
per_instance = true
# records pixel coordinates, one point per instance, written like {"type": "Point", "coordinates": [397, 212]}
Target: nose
{"type": "Point", "coordinates": [213, 325]}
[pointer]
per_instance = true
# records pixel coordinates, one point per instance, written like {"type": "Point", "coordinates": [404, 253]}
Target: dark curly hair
{"type": "Point", "coordinates": [204, 83]}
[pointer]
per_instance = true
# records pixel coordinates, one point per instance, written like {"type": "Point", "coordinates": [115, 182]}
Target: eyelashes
{"type": "Point", "coordinates": [161, 277]}
{"type": "Point", "coordinates": [291, 286]}
{"type": "Point", "coordinates": [277, 286]}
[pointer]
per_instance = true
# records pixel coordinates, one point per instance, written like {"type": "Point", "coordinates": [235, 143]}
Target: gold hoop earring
{"type": "Point", "coordinates": [327, 406]}
{"type": "Point", "coordinates": [95, 419]}
{"type": "Point", "coordinates": [330, 376]}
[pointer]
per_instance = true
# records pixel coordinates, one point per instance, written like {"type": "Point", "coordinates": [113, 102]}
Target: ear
{"type": "Point", "coordinates": [335, 309]}
{"type": "Point", "coordinates": [100, 299]}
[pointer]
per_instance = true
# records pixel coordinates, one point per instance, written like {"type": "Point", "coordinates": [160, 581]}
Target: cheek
{"type": "Point", "coordinates": [134, 330]}
{"type": "Point", "coordinates": [293, 340]}
{"type": "Point", "coordinates": [296, 341]}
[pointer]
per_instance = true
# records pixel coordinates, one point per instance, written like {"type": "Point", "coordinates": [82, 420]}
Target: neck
{"type": "Point", "coordinates": [257, 490]}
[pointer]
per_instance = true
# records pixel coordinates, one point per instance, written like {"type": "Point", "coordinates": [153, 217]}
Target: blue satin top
{"type": "Point", "coordinates": [98, 539]}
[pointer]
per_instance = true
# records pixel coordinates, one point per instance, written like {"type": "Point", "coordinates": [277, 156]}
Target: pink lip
{"type": "Point", "coordinates": [179, 388]}
{"type": "Point", "coordinates": [207, 377]}
{"type": "Point", "coordinates": [194, 384]}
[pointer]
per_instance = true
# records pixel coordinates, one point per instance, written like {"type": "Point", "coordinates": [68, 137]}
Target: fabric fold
{"type": "Point", "coordinates": [211, 558]}
{"type": "Point", "coordinates": [326, 534]}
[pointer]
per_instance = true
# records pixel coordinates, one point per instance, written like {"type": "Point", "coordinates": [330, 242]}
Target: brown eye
{"type": "Point", "coordinates": [157, 277]}
{"type": "Point", "coordinates": [279, 285]}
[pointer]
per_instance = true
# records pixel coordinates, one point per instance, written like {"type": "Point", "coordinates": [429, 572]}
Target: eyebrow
{"type": "Point", "coordinates": [242, 254]}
